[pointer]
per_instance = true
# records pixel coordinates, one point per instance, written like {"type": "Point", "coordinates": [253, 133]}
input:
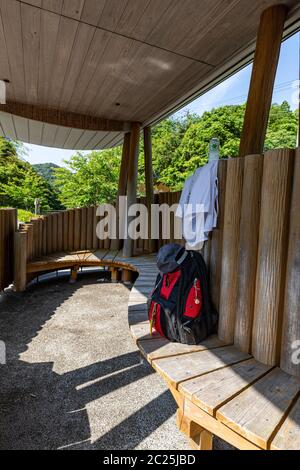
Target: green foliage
{"type": "Point", "coordinates": [47, 171]}
{"type": "Point", "coordinates": [180, 145]}
{"type": "Point", "coordinates": [20, 184]}
{"type": "Point", "coordinates": [25, 216]}
{"type": "Point", "coordinates": [89, 179]}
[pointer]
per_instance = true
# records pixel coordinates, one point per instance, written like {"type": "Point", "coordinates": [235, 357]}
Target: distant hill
{"type": "Point", "coordinates": [46, 170]}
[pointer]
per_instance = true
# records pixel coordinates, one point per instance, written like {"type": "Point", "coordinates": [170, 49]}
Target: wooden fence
{"type": "Point", "coordinates": [8, 226]}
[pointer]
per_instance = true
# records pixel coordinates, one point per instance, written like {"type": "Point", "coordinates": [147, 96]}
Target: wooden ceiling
{"type": "Point", "coordinates": [125, 60]}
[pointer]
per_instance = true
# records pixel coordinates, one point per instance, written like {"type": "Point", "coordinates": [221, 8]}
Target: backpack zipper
{"type": "Point", "coordinates": [154, 311]}
{"type": "Point", "coordinates": [197, 289]}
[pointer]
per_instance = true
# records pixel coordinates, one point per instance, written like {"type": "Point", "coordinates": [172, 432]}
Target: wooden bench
{"type": "Point", "coordinates": [243, 384]}
{"type": "Point", "coordinates": [219, 389]}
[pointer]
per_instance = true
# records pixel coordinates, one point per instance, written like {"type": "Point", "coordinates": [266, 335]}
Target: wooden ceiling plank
{"type": "Point", "coordinates": [85, 139]}
{"type": "Point", "coordinates": [76, 62]}
{"type": "Point", "coordinates": [8, 125]}
{"type": "Point", "coordinates": [61, 137]}
{"type": "Point", "coordinates": [64, 47]}
{"type": "Point", "coordinates": [161, 97]}
{"type": "Point", "coordinates": [31, 19]}
{"type": "Point", "coordinates": [131, 16]}
{"type": "Point", "coordinates": [11, 20]}
{"type": "Point", "coordinates": [73, 8]}
{"type": "Point", "coordinates": [88, 67]}
{"type": "Point", "coordinates": [109, 70]}
{"type": "Point", "coordinates": [125, 74]}
{"type": "Point", "coordinates": [118, 140]}
{"type": "Point", "coordinates": [49, 134]}
{"type": "Point", "coordinates": [22, 128]}
{"type": "Point", "coordinates": [73, 138]}
{"type": "Point", "coordinates": [49, 32]}
{"type": "Point", "coordinates": [154, 13]}
{"type": "Point", "coordinates": [35, 3]}
{"type": "Point", "coordinates": [95, 140]}
{"type": "Point", "coordinates": [92, 11]}
{"type": "Point", "coordinates": [35, 132]}
{"type": "Point", "coordinates": [4, 64]}
{"type": "Point", "coordinates": [111, 14]}
{"type": "Point", "coordinates": [53, 5]}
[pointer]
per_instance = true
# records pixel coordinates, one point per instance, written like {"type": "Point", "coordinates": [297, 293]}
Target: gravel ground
{"type": "Point", "coordinates": [73, 378]}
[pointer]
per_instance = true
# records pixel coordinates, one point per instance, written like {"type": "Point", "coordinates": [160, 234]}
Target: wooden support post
{"type": "Point", "coordinates": [20, 260]}
{"type": "Point", "coordinates": [126, 275]}
{"type": "Point", "coordinates": [149, 183]}
{"type": "Point", "coordinates": [117, 244]}
{"type": "Point", "coordinates": [199, 438]}
{"type": "Point", "coordinates": [230, 249]}
{"type": "Point", "coordinates": [291, 318]}
{"type": "Point", "coordinates": [247, 262]}
{"type": "Point", "coordinates": [272, 253]}
{"type": "Point", "coordinates": [114, 274]}
{"type": "Point", "coordinates": [132, 181]}
{"type": "Point", "coordinates": [262, 81]}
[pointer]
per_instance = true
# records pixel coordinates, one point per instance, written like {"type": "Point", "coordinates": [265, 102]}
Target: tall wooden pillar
{"type": "Point", "coordinates": [149, 183]}
{"type": "Point", "coordinates": [116, 244]}
{"type": "Point", "coordinates": [262, 81]}
{"type": "Point", "coordinates": [132, 180]}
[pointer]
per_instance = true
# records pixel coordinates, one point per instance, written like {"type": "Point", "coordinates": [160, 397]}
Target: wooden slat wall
{"type": "Point", "coordinates": [8, 225]}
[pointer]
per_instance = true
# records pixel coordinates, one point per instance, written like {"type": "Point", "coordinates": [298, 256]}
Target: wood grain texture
{"type": "Point", "coordinates": [262, 81]}
{"type": "Point", "coordinates": [180, 368]}
{"type": "Point", "coordinates": [272, 252]}
{"type": "Point", "coordinates": [257, 412]}
{"type": "Point", "coordinates": [151, 245]}
{"type": "Point", "coordinates": [20, 260]}
{"type": "Point", "coordinates": [230, 249]}
{"type": "Point", "coordinates": [209, 423]}
{"type": "Point", "coordinates": [132, 180]}
{"type": "Point", "coordinates": [152, 349]}
{"type": "Point", "coordinates": [63, 118]}
{"type": "Point", "coordinates": [213, 390]}
{"type": "Point", "coordinates": [100, 52]}
{"type": "Point", "coordinates": [77, 229]}
{"type": "Point", "coordinates": [291, 317]}
{"type": "Point", "coordinates": [248, 246]}
{"type": "Point", "coordinates": [122, 187]}
{"type": "Point", "coordinates": [288, 436]}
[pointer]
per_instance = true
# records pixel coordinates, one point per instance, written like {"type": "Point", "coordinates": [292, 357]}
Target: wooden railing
{"type": "Point", "coordinates": [8, 225]}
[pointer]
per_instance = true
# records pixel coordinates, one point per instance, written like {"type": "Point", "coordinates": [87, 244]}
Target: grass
{"type": "Point", "coordinates": [23, 216]}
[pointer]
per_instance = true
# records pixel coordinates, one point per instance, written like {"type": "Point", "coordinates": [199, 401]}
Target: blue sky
{"type": "Point", "coordinates": [232, 91]}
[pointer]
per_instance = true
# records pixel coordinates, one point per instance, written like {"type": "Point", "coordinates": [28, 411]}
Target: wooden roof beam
{"type": "Point", "coordinates": [65, 119]}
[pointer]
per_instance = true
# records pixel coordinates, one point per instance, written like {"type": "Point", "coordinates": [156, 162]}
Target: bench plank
{"type": "Point", "coordinates": [141, 331]}
{"type": "Point", "coordinates": [157, 350]}
{"type": "Point", "coordinates": [288, 436]}
{"type": "Point", "coordinates": [260, 409]}
{"type": "Point", "coordinates": [214, 389]}
{"type": "Point", "coordinates": [183, 367]}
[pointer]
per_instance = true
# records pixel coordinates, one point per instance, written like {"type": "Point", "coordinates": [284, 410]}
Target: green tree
{"type": "Point", "coordinates": [89, 179]}
{"type": "Point", "coordinates": [20, 184]}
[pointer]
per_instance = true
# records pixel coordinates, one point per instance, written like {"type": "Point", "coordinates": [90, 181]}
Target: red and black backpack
{"type": "Point", "coordinates": [180, 307]}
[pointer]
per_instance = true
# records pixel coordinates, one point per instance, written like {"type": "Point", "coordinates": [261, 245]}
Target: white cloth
{"type": "Point", "coordinates": [198, 205]}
